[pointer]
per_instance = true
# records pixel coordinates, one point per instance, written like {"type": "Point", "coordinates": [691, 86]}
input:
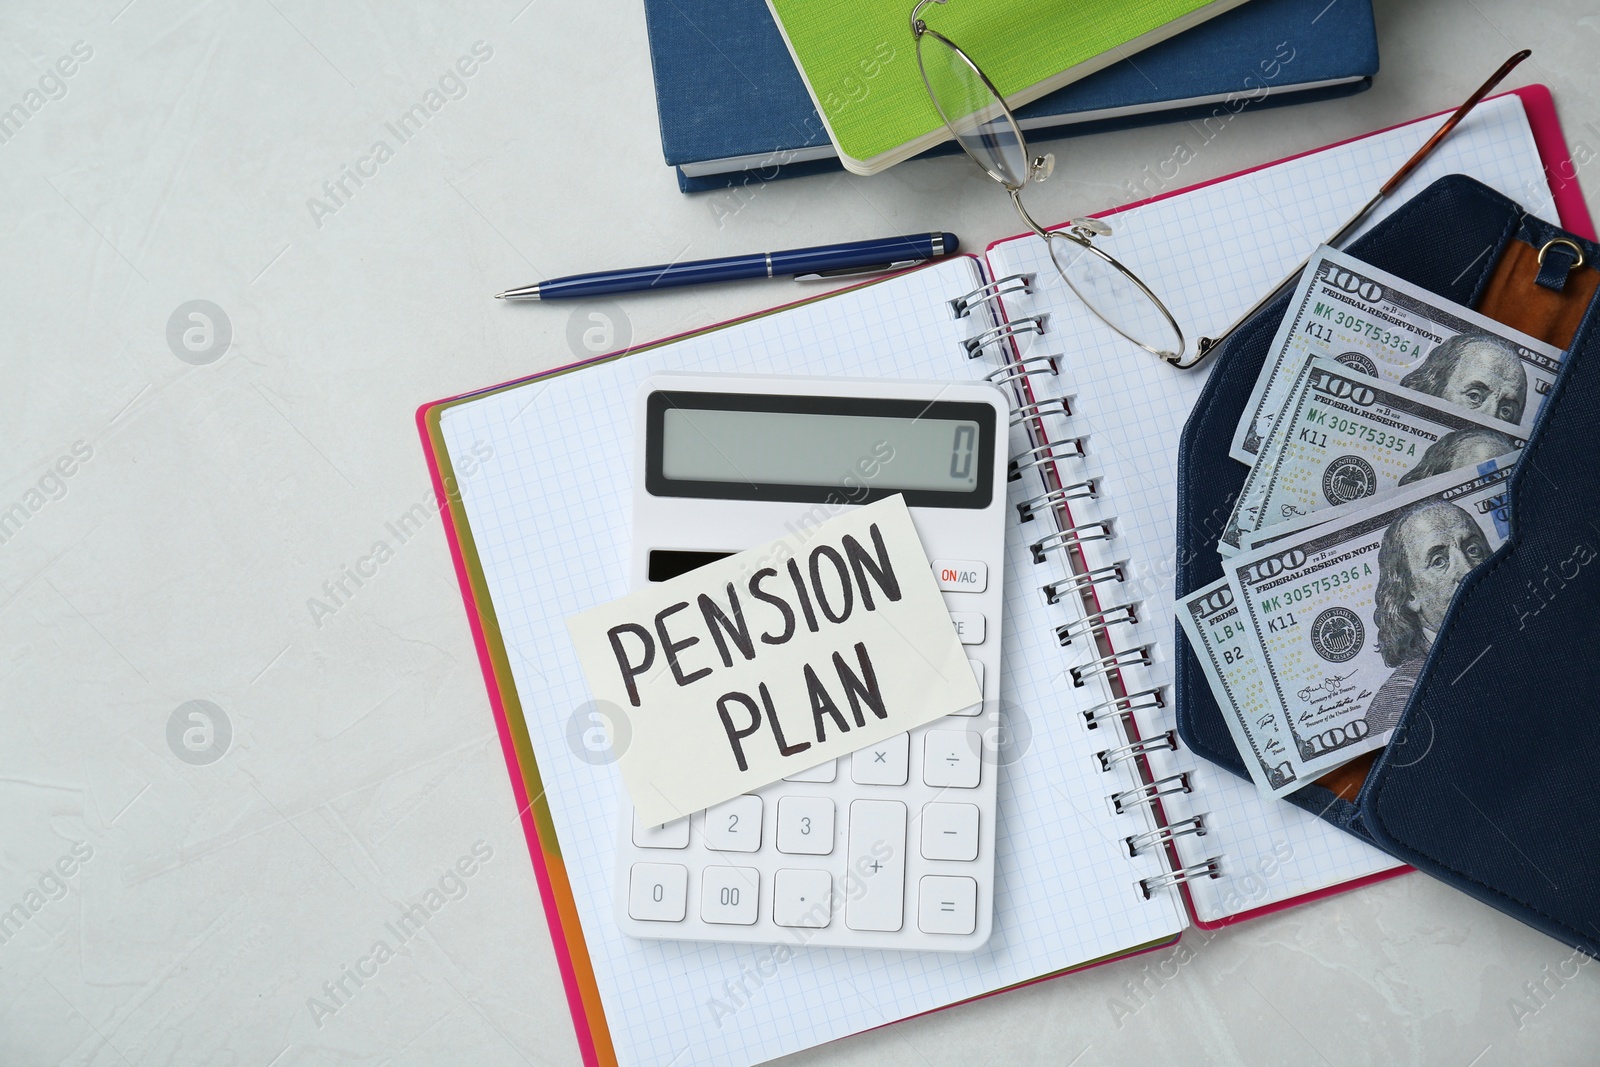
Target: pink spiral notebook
{"type": "Point", "coordinates": [552, 500]}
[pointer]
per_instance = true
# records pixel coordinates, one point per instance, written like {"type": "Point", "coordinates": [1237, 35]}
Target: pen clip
{"type": "Point", "coordinates": [851, 272]}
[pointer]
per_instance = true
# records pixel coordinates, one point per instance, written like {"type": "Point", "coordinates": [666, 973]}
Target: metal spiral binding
{"type": "Point", "coordinates": [1045, 453]}
{"type": "Point", "coordinates": [1097, 623]}
{"type": "Point", "coordinates": [1159, 743]}
{"type": "Point", "coordinates": [962, 306]}
{"type": "Point", "coordinates": [1082, 583]}
{"type": "Point", "coordinates": [1088, 489]}
{"type": "Point", "coordinates": [1009, 328]}
{"type": "Point", "coordinates": [1195, 824]}
{"type": "Point", "coordinates": [1017, 370]}
{"type": "Point", "coordinates": [1150, 793]}
{"type": "Point", "coordinates": [1070, 535]}
{"type": "Point", "coordinates": [1210, 868]}
{"type": "Point", "coordinates": [1038, 409]}
{"type": "Point", "coordinates": [1123, 707]}
{"type": "Point", "coordinates": [1016, 373]}
{"type": "Point", "coordinates": [1105, 664]}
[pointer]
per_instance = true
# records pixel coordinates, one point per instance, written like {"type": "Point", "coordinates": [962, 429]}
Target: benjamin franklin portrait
{"type": "Point", "coordinates": [1425, 553]}
{"type": "Point", "coordinates": [1477, 371]}
{"type": "Point", "coordinates": [1459, 448]}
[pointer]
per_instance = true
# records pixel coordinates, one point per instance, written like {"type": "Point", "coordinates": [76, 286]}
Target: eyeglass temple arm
{"type": "Point", "coordinates": [1205, 345]}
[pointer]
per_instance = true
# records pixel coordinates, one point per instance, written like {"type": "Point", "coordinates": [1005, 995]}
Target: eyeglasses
{"type": "Point", "coordinates": [972, 108]}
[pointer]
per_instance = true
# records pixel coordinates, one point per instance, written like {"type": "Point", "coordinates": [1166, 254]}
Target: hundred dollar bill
{"type": "Point", "coordinates": [1387, 328]}
{"type": "Point", "coordinates": [1231, 660]}
{"type": "Point", "coordinates": [1344, 612]}
{"type": "Point", "coordinates": [1344, 436]}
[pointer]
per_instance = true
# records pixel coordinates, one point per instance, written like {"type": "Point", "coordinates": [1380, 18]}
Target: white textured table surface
{"type": "Point", "coordinates": [214, 503]}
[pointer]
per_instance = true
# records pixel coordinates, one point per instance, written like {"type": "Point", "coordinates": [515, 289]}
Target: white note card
{"type": "Point", "coordinates": [769, 662]}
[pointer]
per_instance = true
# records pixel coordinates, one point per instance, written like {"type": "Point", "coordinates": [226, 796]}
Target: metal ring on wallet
{"type": "Point", "coordinates": [1124, 706]}
{"type": "Point", "coordinates": [1210, 868]}
{"type": "Point", "coordinates": [1078, 583]}
{"type": "Point", "coordinates": [1044, 453]}
{"type": "Point", "coordinates": [1106, 664]}
{"type": "Point", "coordinates": [962, 305]}
{"type": "Point", "coordinates": [1023, 368]}
{"type": "Point", "coordinates": [1151, 792]}
{"type": "Point", "coordinates": [1098, 622]}
{"type": "Point", "coordinates": [1195, 824]}
{"type": "Point", "coordinates": [1113, 756]}
{"type": "Point", "coordinates": [1087, 489]}
{"type": "Point", "coordinates": [1009, 328]}
{"type": "Point", "coordinates": [1562, 241]}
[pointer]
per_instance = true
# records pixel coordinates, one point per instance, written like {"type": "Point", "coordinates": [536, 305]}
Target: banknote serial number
{"type": "Point", "coordinates": [1227, 632]}
{"type": "Point", "coordinates": [1220, 637]}
{"type": "Point", "coordinates": [1355, 431]}
{"type": "Point", "coordinates": [1372, 331]}
{"type": "Point", "coordinates": [1326, 583]}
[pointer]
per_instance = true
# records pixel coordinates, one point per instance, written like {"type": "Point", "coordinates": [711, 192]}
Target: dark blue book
{"type": "Point", "coordinates": [734, 110]}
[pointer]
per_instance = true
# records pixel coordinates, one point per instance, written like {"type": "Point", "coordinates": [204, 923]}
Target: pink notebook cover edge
{"type": "Point", "coordinates": [564, 962]}
{"type": "Point", "coordinates": [1573, 214]}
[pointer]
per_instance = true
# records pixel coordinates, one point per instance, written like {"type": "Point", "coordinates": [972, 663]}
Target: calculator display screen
{"type": "Point", "coordinates": [752, 446]}
{"type": "Point", "coordinates": [813, 449]}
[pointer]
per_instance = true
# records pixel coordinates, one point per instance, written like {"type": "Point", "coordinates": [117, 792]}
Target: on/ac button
{"type": "Point", "coordinates": [961, 575]}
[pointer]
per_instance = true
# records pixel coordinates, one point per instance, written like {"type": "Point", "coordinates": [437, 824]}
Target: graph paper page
{"type": "Point", "coordinates": [551, 514]}
{"type": "Point", "coordinates": [1210, 254]}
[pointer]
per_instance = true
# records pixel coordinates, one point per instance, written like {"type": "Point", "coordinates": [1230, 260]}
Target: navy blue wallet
{"type": "Point", "coordinates": [1491, 782]}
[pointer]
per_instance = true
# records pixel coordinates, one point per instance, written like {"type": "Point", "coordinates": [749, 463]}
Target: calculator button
{"type": "Point", "coordinates": [728, 895]}
{"type": "Point", "coordinates": [657, 892]}
{"type": "Point", "coordinates": [961, 575]}
{"type": "Point", "coordinates": [734, 825]}
{"type": "Point", "coordinates": [674, 834]}
{"type": "Point", "coordinates": [977, 672]}
{"type": "Point", "coordinates": [822, 772]}
{"type": "Point", "coordinates": [805, 825]}
{"type": "Point", "coordinates": [802, 898]}
{"type": "Point", "coordinates": [950, 758]}
{"type": "Point", "coordinates": [875, 868]}
{"type": "Point", "coordinates": [883, 763]}
{"type": "Point", "coordinates": [950, 831]}
{"type": "Point", "coordinates": [947, 905]}
{"type": "Point", "coordinates": [969, 626]}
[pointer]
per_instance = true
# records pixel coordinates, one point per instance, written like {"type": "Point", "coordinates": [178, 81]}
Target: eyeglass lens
{"type": "Point", "coordinates": [972, 111]}
{"type": "Point", "coordinates": [1113, 295]}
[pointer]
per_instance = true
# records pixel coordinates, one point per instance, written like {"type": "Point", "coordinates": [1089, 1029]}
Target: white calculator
{"type": "Point", "coordinates": [891, 847]}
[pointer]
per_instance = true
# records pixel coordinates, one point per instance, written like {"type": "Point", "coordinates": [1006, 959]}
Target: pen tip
{"type": "Point", "coordinates": [499, 296]}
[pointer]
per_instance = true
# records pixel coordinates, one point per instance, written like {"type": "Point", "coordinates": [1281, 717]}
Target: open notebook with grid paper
{"type": "Point", "coordinates": [1082, 870]}
{"type": "Point", "coordinates": [549, 519]}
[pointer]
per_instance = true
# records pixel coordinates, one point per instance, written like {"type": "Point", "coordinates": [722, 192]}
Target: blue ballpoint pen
{"type": "Point", "coordinates": [824, 261]}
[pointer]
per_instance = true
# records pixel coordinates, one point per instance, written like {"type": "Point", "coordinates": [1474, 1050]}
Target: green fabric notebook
{"type": "Point", "coordinates": [859, 60]}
